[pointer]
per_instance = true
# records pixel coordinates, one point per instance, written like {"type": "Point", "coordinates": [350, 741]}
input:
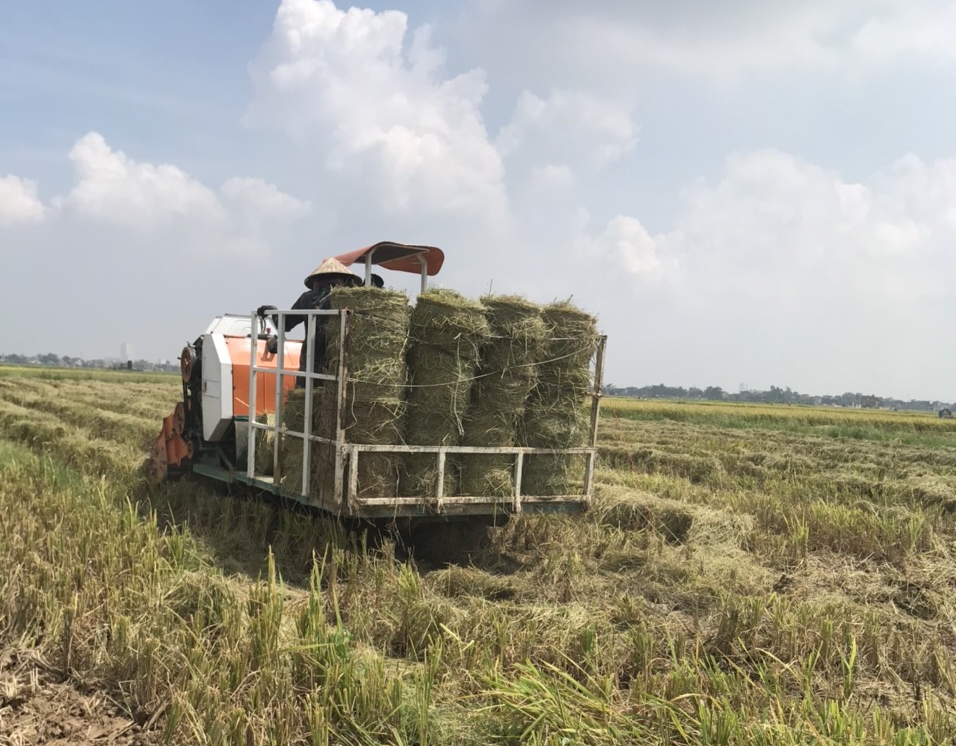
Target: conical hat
{"type": "Point", "coordinates": [332, 268]}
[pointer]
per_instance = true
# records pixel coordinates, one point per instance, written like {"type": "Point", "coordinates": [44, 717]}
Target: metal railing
{"type": "Point", "coordinates": [345, 487]}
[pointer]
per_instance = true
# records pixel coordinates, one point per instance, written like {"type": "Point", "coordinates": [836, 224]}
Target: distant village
{"type": "Point", "coordinates": [52, 360]}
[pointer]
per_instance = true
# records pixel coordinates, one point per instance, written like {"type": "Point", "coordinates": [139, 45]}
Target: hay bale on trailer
{"type": "Point", "coordinates": [374, 407]}
{"type": "Point", "coordinates": [290, 447]}
{"type": "Point", "coordinates": [374, 404]}
{"type": "Point", "coordinates": [446, 334]}
{"type": "Point", "coordinates": [265, 441]}
{"type": "Point", "coordinates": [507, 373]}
{"type": "Point", "coordinates": [554, 415]}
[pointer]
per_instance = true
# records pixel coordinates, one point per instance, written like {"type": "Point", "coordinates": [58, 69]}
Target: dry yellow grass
{"type": "Point", "coordinates": [748, 575]}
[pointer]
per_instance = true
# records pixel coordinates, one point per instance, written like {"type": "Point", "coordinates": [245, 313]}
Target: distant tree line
{"type": "Point", "coordinates": [52, 360]}
{"type": "Point", "coordinates": [775, 395]}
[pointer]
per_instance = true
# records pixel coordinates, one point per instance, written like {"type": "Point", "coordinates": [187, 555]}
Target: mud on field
{"type": "Point", "coordinates": [38, 707]}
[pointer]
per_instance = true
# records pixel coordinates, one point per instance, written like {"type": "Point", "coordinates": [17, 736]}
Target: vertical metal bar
{"type": "Point", "coordinates": [353, 478]}
{"type": "Point", "coordinates": [519, 468]}
{"type": "Point", "coordinates": [340, 406]}
{"type": "Point", "coordinates": [251, 441]}
{"type": "Point", "coordinates": [368, 269]}
{"type": "Point", "coordinates": [307, 425]}
{"type": "Point", "coordinates": [589, 476]}
{"type": "Point", "coordinates": [595, 411]}
{"type": "Point", "coordinates": [440, 487]}
{"type": "Point", "coordinates": [596, 390]}
{"type": "Point", "coordinates": [421, 260]}
{"type": "Point", "coordinates": [280, 363]}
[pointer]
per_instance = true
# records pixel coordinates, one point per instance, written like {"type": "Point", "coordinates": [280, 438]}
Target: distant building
{"type": "Point", "coordinates": [126, 352]}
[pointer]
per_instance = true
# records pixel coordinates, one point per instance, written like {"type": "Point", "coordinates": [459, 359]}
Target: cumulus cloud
{"type": "Point", "coordinates": [782, 271]}
{"type": "Point", "coordinates": [628, 244]}
{"type": "Point", "coordinates": [135, 236]}
{"type": "Point", "coordinates": [778, 230]}
{"type": "Point", "coordinates": [377, 106]}
{"type": "Point", "coordinates": [19, 203]}
{"type": "Point", "coordinates": [572, 41]}
{"type": "Point", "coordinates": [113, 188]}
{"type": "Point", "coordinates": [263, 199]}
{"type": "Point", "coordinates": [569, 127]}
{"type": "Point", "coordinates": [119, 192]}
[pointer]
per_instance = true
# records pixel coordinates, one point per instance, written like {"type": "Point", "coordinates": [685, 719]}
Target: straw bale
{"type": "Point", "coordinates": [552, 474]}
{"type": "Point", "coordinates": [265, 440]}
{"type": "Point", "coordinates": [374, 410]}
{"type": "Point", "coordinates": [450, 321]}
{"type": "Point", "coordinates": [290, 447]}
{"type": "Point", "coordinates": [554, 415]}
{"type": "Point", "coordinates": [419, 475]}
{"type": "Point", "coordinates": [441, 382]}
{"type": "Point", "coordinates": [507, 372]}
{"type": "Point", "coordinates": [447, 332]}
{"type": "Point", "coordinates": [377, 338]}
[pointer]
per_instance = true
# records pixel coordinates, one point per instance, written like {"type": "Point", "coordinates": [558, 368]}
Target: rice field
{"type": "Point", "coordinates": [747, 575]}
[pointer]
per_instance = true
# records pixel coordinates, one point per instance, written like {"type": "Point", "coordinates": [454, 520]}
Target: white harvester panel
{"type": "Point", "coordinates": [216, 385]}
{"type": "Point", "coordinates": [229, 325]}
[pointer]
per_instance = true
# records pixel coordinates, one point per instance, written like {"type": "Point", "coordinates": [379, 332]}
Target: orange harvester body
{"type": "Point", "coordinates": [170, 447]}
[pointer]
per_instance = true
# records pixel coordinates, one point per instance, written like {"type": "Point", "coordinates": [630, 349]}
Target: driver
{"type": "Point", "coordinates": [329, 274]}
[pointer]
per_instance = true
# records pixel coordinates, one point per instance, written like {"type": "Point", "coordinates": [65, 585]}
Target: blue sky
{"type": "Point", "coordinates": [760, 192]}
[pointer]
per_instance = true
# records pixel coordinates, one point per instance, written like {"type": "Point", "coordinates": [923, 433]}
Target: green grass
{"type": "Point", "coordinates": [910, 428]}
{"type": "Point", "coordinates": [745, 576]}
{"type": "Point", "coordinates": [85, 374]}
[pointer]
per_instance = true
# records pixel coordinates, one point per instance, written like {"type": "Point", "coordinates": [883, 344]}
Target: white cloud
{"type": "Point", "coordinates": [778, 230]}
{"type": "Point", "coordinates": [569, 127]}
{"type": "Point", "coordinates": [350, 86]}
{"type": "Point", "coordinates": [781, 271]}
{"type": "Point", "coordinates": [551, 177]}
{"type": "Point", "coordinates": [133, 237]}
{"type": "Point", "coordinates": [19, 203]}
{"type": "Point", "coordinates": [263, 199]}
{"type": "Point", "coordinates": [627, 243]}
{"type": "Point", "coordinates": [580, 43]}
{"type": "Point", "coordinates": [120, 193]}
{"type": "Point", "coordinates": [115, 189]}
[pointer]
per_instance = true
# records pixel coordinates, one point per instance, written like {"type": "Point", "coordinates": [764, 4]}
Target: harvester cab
{"type": "Point", "coordinates": [236, 424]}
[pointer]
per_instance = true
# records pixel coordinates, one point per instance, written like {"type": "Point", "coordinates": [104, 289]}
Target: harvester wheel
{"type": "Point", "coordinates": [187, 361]}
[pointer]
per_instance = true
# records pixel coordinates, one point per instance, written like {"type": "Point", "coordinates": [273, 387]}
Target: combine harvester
{"type": "Point", "coordinates": [214, 431]}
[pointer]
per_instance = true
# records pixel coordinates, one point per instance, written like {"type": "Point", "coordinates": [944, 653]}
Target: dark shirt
{"type": "Point", "coordinates": [310, 299]}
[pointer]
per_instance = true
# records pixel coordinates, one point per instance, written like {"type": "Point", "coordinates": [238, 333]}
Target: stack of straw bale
{"type": "Point", "coordinates": [374, 406]}
{"type": "Point", "coordinates": [506, 375]}
{"type": "Point", "coordinates": [446, 335]}
{"type": "Point", "coordinates": [555, 416]}
{"type": "Point", "coordinates": [290, 447]}
{"type": "Point", "coordinates": [374, 411]}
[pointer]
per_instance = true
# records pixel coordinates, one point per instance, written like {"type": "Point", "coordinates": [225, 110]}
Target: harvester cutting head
{"type": "Point", "coordinates": [170, 447]}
